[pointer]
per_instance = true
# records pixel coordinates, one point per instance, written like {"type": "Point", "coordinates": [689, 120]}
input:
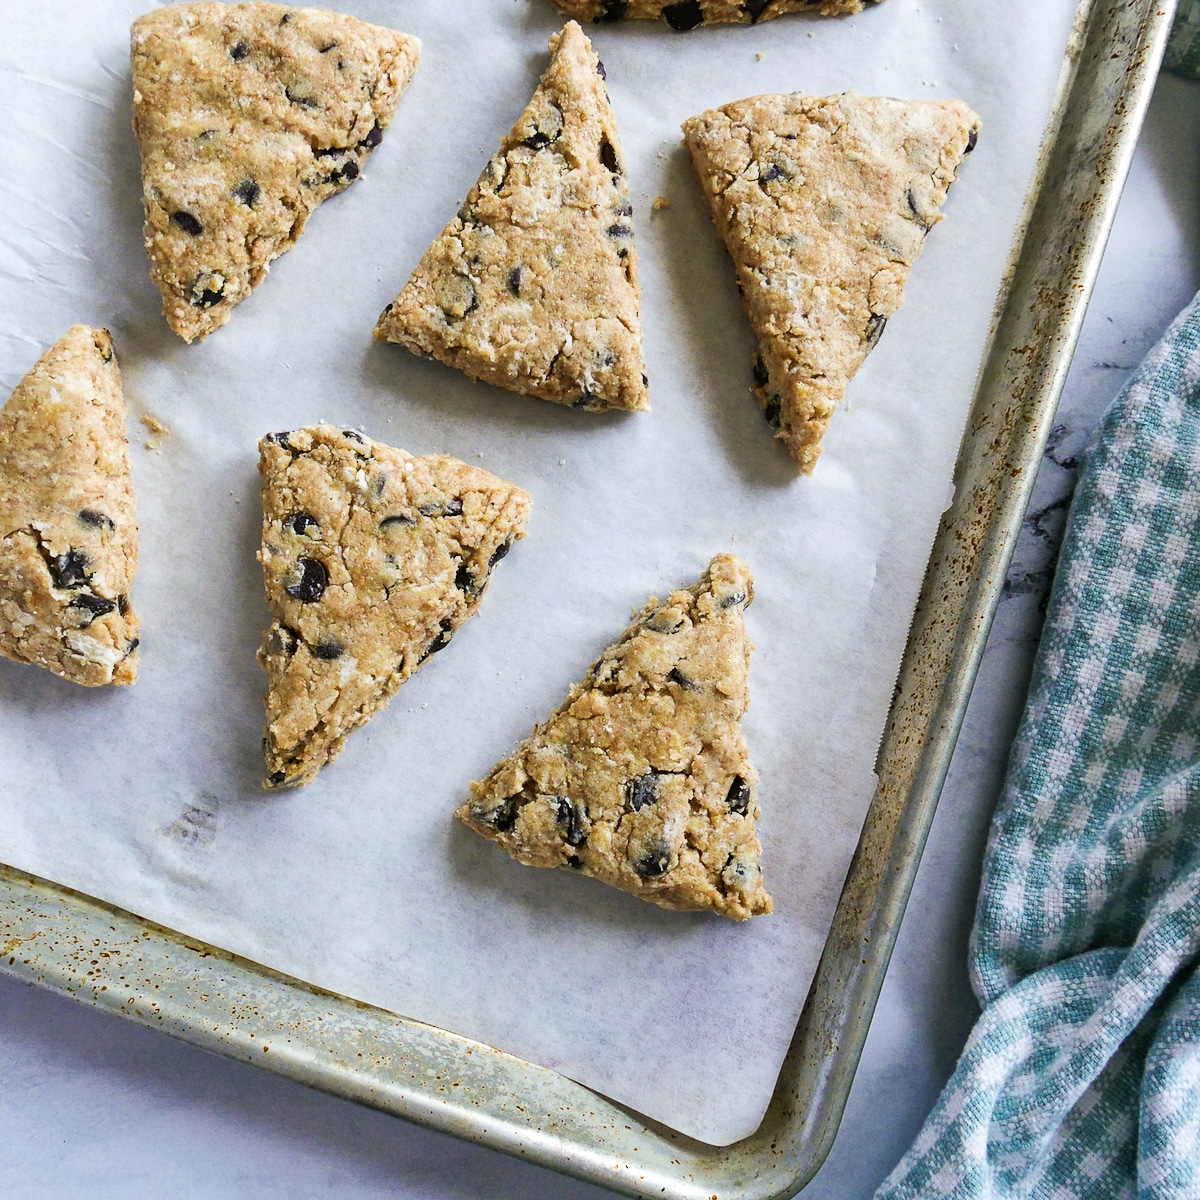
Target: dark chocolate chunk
{"type": "Point", "coordinates": [611, 11]}
{"type": "Point", "coordinates": [500, 816]}
{"type": "Point", "coordinates": [464, 579]}
{"type": "Point", "coordinates": [348, 172]}
{"type": "Point", "coordinates": [247, 192]}
{"type": "Point", "coordinates": [737, 800]}
{"type": "Point", "coordinates": [354, 436]}
{"type": "Point", "coordinates": [457, 297]}
{"type": "Point", "coordinates": [285, 18]}
{"type": "Point", "coordinates": [452, 508]}
{"type": "Point", "coordinates": [618, 231]}
{"type": "Point", "coordinates": [653, 862]}
{"type": "Point", "coordinates": [283, 640]}
{"type": "Point", "coordinates": [754, 8]}
{"type": "Point", "coordinates": [238, 51]}
{"type": "Point", "coordinates": [97, 520]}
{"type": "Point", "coordinates": [918, 216]}
{"type": "Point", "coordinates": [573, 860]}
{"type": "Point", "coordinates": [600, 70]}
{"type": "Point", "coordinates": [185, 221]}
{"type": "Point", "coordinates": [129, 649]}
{"type": "Point", "coordinates": [731, 599]}
{"type": "Point", "coordinates": [642, 791]}
{"type": "Point", "coordinates": [309, 579]}
{"type": "Point", "coordinates": [514, 281]}
{"type": "Point", "coordinates": [280, 439]}
{"type": "Point", "coordinates": [773, 410]}
{"type": "Point", "coordinates": [300, 522]}
{"type": "Point", "coordinates": [123, 605]}
{"type": "Point", "coordinates": [608, 156]}
{"type": "Point", "coordinates": [96, 606]}
{"type": "Point", "coordinates": [683, 15]}
{"type": "Point", "coordinates": [398, 519]}
{"type": "Point", "coordinates": [571, 817]}
{"type": "Point", "coordinates": [547, 129]}
{"type": "Point", "coordinates": [373, 138]}
{"type": "Point", "coordinates": [624, 209]}
{"type": "Point", "coordinates": [874, 329]}
{"type": "Point", "coordinates": [500, 551]}
{"type": "Point", "coordinates": [208, 288]}
{"type": "Point", "coordinates": [688, 685]}
{"type": "Point", "coordinates": [330, 46]}
{"type": "Point", "coordinates": [761, 377]}
{"type": "Point", "coordinates": [329, 649]}
{"type": "Point", "coordinates": [69, 570]}
{"type": "Point", "coordinates": [773, 172]}
{"type": "Point", "coordinates": [660, 622]}
{"type": "Point", "coordinates": [442, 639]}
{"type": "Point", "coordinates": [276, 778]}
{"type": "Point", "coordinates": [972, 141]}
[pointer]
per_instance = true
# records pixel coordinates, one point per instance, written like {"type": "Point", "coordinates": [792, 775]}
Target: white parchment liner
{"type": "Point", "coordinates": [149, 797]}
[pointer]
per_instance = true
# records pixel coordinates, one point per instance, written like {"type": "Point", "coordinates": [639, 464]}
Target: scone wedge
{"type": "Point", "coordinates": [534, 286]}
{"type": "Point", "coordinates": [641, 778]}
{"type": "Point", "coordinates": [824, 204]}
{"type": "Point", "coordinates": [372, 558]}
{"type": "Point", "coordinates": [248, 116]}
{"type": "Point", "coordinates": [68, 528]}
{"type": "Point", "coordinates": [687, 14]}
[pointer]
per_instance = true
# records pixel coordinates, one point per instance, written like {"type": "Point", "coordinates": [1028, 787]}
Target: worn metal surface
{"type": "Point", "coordinates": [114, 961]}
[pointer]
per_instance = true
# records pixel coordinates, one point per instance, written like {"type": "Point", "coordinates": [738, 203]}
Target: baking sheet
{"type": "Point", "coordinates": [149, 797]}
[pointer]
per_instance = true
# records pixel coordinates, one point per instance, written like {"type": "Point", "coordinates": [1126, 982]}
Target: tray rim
{"type": "Point", "coordinates": [76, 946]}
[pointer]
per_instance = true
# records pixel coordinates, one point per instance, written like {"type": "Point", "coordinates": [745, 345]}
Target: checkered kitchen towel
{"type": "Point", "coordinates": [1081, 1080]}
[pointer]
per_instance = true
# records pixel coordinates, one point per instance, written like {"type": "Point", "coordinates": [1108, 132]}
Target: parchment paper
{"type": "Point", "coordinates": [149, 797]}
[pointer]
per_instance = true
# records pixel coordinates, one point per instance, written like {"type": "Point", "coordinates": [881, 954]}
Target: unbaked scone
{"type": "Point", "coordinates": [641, 778]}
{"type": "Point", "coordinates": [823, 204]}
{"type": "Point", "coordinates": [533, 286]}
{"type": "Point", "coordinates": [248, 116]}
{"type": "Point", "coordinates": [372, 559]}
{"type": "Point", "coordinates": [687, 14]}
{"type": "Point", "coordinates": [68, 529]}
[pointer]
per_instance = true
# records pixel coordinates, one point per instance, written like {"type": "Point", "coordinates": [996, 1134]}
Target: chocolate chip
{"type": "Point", "coordinates": [387, 309]}
{"type": "Point", "coordinates": [185, 221]}
{"type": "Point", "coordinates": [309, 579]}
{"type": "Point", "coordinates": [297, 97]}
{"type": "Point", "coordinates": [737, 800]}
{"type": "Point", "coordinates": [664, 622]}
{"type": "Point", "coordinates": [761, 377]}
{"type": "Point", "coordinates": [642, 791]}
{"type": "Point", "coordinates": [500, 816]}
{"type": "Point", "coordinates": [570, 815]}
{"type": "Point", "coordinates": [611, 11]}
{"type": "Point", "coordinates": [500, 551]}
{"type": "Point", "coordinates": [972, 141]}
{"type": "Point", "coordinates": [618, 231]}
{"type": "Point", "coordinates": [129, 649]}
{"type": "Point", "coordinates": [918, 216]}
{"type": "Point", "coordinates": [684, 15]}
{"type": "Point", "coordinates": [330, 46]}
{"type": "Point", "coordinates": [96, 606]}
{"type": "Point", "coordinates": [773, 410]}
{"type": "Point", "coordinates": [354, 436]}
{"type": "Point", "coordinates": [730, 599]}
{"type": "Point", "coordinates": [452, 508]}
{"type": "Point", "coordinates": [457, 297]}
{"type": "Point", "coordinates": [688, 685]}
{"type": "Point", "coordinates": [247, 192]}
{"type": "Point", "coordinates": [373, 138]}
{"type": "Point", "coordinates": [754, 8]}
{"type": "Point", "coordinates": [123, 605]}
{"type": "Point", "coordinates": [300, 522]}
{"type": "Point", "coordinates": [442, 639]}
{"type": "Point", "coordinates": [280, 439]}
{"type": "Point", "coordinates": [874, 330]}
{"type": "Point", "coordinates": [238, 51]}
{"type": "Point", "coordinates": [773, 172]}
{"type": "Point", "coordinates": [398, 519]}
{"type": "Point", "coordinates": [208, 288]}
{"type": "Point", "coordinates": [283, 641]}
{"type": "Point", "coordinates": [588, 400]}
{"type": "Point", "coordinates": [285, 18]}
{"type": "Point", "coordinates": [347, 173]}
{"type": "Point", "coordinates": [276, 778]}
{"type": "Point", "coordinates": [464, 579]}
{"type": "Point", "coordinates": [653, 862]}
{"type": "Point", "coordinates": [514, 281]}
{"type": "Point", "coordinates": [69, 570]}
{"type": "Point", "coordinates": [624, 209]}
{"type": "Point", "coordinates": [573, 860]}
{"type": "Point", "coordinates": [329, 649]}
{"type": "Point", "coordinates": [97, 520]}
{"type": "Point", "coordinates": [548, 127]}
{"type": "Point", "coordinates": [608, 156]}
{"type": "Point", "coordinates": [600, 70]}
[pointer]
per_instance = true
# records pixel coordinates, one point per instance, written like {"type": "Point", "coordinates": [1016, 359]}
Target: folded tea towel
{"type": "Point", "coordinates": [1081, 1080]}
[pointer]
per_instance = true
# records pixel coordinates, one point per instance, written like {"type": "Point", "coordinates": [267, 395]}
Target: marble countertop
{"type": "Point", "coordinates": [95, 1107]}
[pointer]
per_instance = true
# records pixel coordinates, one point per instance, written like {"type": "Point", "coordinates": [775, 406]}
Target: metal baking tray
{"type": "Point", "coordinates": [79, 947]}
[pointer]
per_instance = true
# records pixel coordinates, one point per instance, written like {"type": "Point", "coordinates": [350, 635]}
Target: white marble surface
{"type": "Point", "coordinates": [91, 1106]}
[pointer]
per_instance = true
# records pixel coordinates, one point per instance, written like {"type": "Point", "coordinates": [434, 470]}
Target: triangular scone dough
{"type": "Point", "coordinates": [533, 286]}
{"type": "Point", "coordinates": [68, 530]}
{"type": "Point", "coordinates": [373, 558]}
{"type": "Point", "coordinates": [248, 116]}
{"type": "Point", "coordinates": [641, 777]}
{"type": "Point", "coordinates": [824, 204]}
{"type": "Point", "coordinates": [687, 14]}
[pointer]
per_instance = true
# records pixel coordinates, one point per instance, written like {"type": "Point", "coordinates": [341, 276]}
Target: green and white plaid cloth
{"type": "Point", "coordinates": [1081, 1080]}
